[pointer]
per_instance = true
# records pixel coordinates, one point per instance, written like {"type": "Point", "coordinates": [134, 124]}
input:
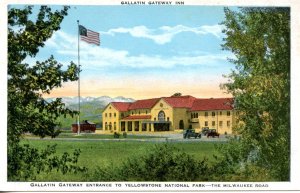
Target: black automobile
{"type": "Point", "coordinates": [191, 133]}
{"type": "Point", "coordinates": [205, 130]}
{"type": "Point", "coordinates": [213, 133]}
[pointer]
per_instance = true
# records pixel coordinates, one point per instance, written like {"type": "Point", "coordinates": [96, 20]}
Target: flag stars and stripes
{"type": "Point", "coordinates": [89, 36]}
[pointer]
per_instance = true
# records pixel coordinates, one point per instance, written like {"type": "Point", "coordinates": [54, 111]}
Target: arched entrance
{"type": "Point", "coordinates": [161, 116]}
{"type": "Point", "coordinates": [161, 124]}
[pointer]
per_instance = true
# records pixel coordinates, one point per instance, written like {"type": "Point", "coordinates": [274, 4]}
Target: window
{"type": "Point", "coordinates": [115, 114]}
{"type": "Point", "coordinates": [192, 115]}
{"type": "Point", "coordinates": [206, 123]}
{"type": "Point", "coordinates": [168, 119]}
{"type": "Point", "coordinates": [109, 125]}
{"type": "Point", "coordinates": [105, 125]}
{"type": "Point", "coordinates": [213, 123]}
{"type": "Point", "coordinates": [146, 112]}
{"type": "Point", "coordinates": [213, 114]}
{"type": "Point", "coordinates": [161, 116]}
{"type": "Point", "coordinates": [228, 123]}
{"type": "Point", "coordinates": [196, 115]}
{"type": "Point", "coordinates": [115, 125]}
{"type": "Point", "coordinates": [206, 114]}
{"type": "Point", "coordinates": [220, 112]}
{"type": "Point", "coordinates": [139, 112]}
{"type": "Point", "coordinates": [154, 119]}
{"type": "Point", "coordinates": [122, 115]}
{"type": "Point", "coordinates": [109, 114]}
{"type": "Point", "coordinates": [228, 113]}
{"type": "Point", "coordinates": [131, 112]}
{"type": "Point", "coordinates": [220, 123]}
{"type": "Point", "coordinates": [105, 114]}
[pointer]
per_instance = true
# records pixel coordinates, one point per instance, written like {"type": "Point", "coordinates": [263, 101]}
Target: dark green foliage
{"type": "Point", "coordinates": [117, 135]}
{"type": "Point", "coordinates": [177, 94]}
{"type": "Point", "coordinates": [161, 163]}
{"type": "Point", "coordinates": [27, 109]}
{"type": "Point", "coordinates": [235, 164]}
{"type": "Point", "coordinates": [260, 40]}
{"type": "Point", "coordinates": [35, 161]}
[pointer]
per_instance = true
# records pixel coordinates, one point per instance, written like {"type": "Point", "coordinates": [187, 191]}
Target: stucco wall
{"type": "Point", "coordinates": [111, 115]}
{"type": "Point", "coordinates": [221, 118]}
{"type": "Point", "coordinates": [180, 114]}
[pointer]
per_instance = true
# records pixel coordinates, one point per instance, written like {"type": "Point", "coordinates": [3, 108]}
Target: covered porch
{"type": "Point", "coordinates": [143, 123]}
{"type": "Point", "coordinates": [135, 123]}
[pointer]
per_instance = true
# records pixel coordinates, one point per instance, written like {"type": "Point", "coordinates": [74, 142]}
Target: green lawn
{"type": "Point", "coordinates": [106, 153]}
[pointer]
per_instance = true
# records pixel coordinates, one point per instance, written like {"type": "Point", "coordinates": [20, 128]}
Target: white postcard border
{"type": "Point", "coordinates": [123, 186]}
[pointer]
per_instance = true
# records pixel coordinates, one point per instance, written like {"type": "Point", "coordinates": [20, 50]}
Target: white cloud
{"type": "Point", "coordinates": [95, 57]}
{"type": "Point", "coordinates": [165, 34]}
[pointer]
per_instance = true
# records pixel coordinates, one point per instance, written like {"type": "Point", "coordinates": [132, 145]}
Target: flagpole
{"type": "Point", "coordinates": [78, 118]}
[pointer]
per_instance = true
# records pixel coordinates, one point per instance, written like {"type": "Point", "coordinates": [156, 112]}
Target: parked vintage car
{"type": "Point", "coordinates": [205, 130]}
{"type": "Point", "coordinates": [213, 133]}
{"type": "Point", "coordinates": [188, 133]}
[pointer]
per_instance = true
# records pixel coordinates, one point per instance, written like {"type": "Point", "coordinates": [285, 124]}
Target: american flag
{"type": "Point", "coordinates": [89, 36]}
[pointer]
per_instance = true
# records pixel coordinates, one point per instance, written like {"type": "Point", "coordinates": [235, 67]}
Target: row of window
{"type": "Point", "coordinates": [135, 112]}
{"type": "Point", "coordinates": [213, 123]}
{"type": "Point", "coordinates": [122, 114]}
{"type": "Point", "coordinates": [213, 114]}
{"type": "Point", "coordinates": [108, 126]}
{"type": "Point", "coordinates": [110, 114]}
{"type": "Point", "coordinates": [193, 115]}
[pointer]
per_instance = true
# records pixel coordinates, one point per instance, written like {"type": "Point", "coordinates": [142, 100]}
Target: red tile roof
{"type": "Point", "coordinates": [189, 102]}
{"type": "Point", "coordinates": [131, 117]}
{"type": "Point", "coordinates": [143, 104]}
{"type": "Point", "coordinates": [212, 104]}
{"type": "Point", "coordinates": [180, 101]}
{"type": "Point", "coordinates": [121, 106]}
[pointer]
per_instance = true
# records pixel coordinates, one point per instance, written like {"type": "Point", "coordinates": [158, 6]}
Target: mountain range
{"type": "Point", "coordinates": [90, 108]}
{"type": "Point", "coordinates": [101, 101]}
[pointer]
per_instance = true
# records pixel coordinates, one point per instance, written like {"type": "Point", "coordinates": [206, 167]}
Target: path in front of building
{"type": "Point", "coordinates": [161, 137]}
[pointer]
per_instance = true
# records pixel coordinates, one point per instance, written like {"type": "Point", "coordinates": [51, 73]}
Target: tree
{"type": "Point", "coordinates": [177, 94]}
{"type": "Point", "coordinates": [260, 40]}
{"type": "Point", "coordinates": [27, 109]}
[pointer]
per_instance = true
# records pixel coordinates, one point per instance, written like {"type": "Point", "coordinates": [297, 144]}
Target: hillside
{"type": "Point", "coordinates": [90, 107]}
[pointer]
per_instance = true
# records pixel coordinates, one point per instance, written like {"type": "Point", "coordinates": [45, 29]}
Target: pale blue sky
{"type": "Point", "coordinates": [145, 51]}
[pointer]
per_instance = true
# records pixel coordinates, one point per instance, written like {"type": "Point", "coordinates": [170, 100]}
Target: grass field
{"type": "Point", "coordinates": [107, 153]}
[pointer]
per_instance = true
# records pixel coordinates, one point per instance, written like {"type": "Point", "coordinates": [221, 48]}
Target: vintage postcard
{"type": "Point", "coordinates": [118, 96]}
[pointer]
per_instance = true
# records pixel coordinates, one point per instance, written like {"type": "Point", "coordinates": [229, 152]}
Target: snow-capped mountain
{"type": "Point", "coordinates": [101, 101]}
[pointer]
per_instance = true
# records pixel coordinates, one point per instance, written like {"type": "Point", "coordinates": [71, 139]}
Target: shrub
{"type": "Point", "coordinates": [116, 135]}
{"type": "Point", "coordinates": [162, 163]}
{"type": "Point", "coordinates": [27, 162]}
